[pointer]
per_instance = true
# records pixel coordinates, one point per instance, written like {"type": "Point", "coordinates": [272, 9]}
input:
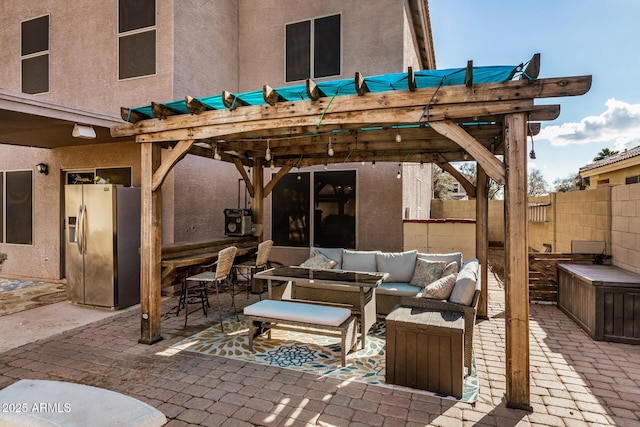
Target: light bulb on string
{"type": "Point", "coordinates": [216, 154]}
{"type": "Point", "coordinates": [399, 174]}
{"type": "Point", "coordinates": [330, 151]}
{"type": "Point", "coordinates": [267, 154]}
{"type": "Point", "coordinates": [272, 165]}
{"type": "Point", "coordinates": [398, 136]}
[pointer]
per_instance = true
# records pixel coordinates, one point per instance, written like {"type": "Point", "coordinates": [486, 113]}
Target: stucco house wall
{"type": "Point", "coordinates": [202, 49]}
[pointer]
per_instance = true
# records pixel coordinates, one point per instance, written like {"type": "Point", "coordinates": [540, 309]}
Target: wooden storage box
{"type": "Point", "coordinates": [602, 299]}
{"type": "Point", "coordinates": [425, 349]}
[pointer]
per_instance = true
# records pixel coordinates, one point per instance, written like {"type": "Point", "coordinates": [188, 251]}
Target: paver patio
{"type": "Point", "coordinates": [575, 381]}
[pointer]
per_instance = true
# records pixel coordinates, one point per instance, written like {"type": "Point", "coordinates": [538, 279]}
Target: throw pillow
{"type": "Point", "coordinates": [451, 268]}
{"type": "Point", "coordinates": [317, 260]}
{"type": "Point", "coordinates": [427, 272]}
{"type": "Point", "coordinates": [441, 288]}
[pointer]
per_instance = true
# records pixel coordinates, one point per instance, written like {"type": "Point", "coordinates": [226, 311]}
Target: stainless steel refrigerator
{"type": "Point", "coordinates": [102, 245]}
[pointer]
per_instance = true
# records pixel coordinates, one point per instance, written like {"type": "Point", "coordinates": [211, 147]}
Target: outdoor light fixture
{"type": "Point", "coordinates": [216, 154]}
{"type": "Point", "coordinates": [82, 131]}
{"type": "Point", "coordinates": [532, 153]}
{"type": "Point", "coordinates": [465, 156]}
{"type": "Point", "coordinates": [398, 137]}
{"type": "Point", "coordinates": [267, 154]}
{"type": "Point", "coordinates": [43, 168]}
{"type": "Point", "coordinates": [330, 151]}
{"type": "Point", "coordinates": [272, 165]}
{"type": "Point", "coordinates": [399, 174]}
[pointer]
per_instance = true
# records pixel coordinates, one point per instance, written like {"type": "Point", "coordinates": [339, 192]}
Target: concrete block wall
{"type": "Point", "coordinates": [625, 226]}
{"type": "Point", "coordinates": [447, 209]}
{"type": "Point", "coordinates": [441, 236]}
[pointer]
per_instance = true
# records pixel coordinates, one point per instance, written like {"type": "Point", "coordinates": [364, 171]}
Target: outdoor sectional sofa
{"type": "Point", "coordinates": [430, 281]}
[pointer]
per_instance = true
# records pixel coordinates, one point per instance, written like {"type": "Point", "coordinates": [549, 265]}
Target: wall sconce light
{"type": "Point", "coordinates": [43, 168]}
{"type": "Point", "coordinates": [82, 131]}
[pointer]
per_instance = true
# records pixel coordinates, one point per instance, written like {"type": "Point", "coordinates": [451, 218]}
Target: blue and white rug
{"type": "Point", "coordinates": [308, 353]}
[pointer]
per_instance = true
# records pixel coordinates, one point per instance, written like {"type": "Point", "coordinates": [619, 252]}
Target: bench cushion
{"type": "Point", "coordinates": [465, 285]}
{"type": "Point", "coordinates": [299, 312]}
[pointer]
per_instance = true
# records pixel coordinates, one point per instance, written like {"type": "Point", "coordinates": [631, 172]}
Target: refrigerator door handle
{"type": "Point", "coordinates": [80, 226]}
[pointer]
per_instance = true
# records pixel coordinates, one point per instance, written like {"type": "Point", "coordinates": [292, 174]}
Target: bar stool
{"type": "Point", "coordinates": [208, 279]}
{"type": "Point", "coordinates": [246, 270]}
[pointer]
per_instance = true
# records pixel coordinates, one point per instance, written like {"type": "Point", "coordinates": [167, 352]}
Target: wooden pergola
{"type": "Point", "coordinates": [438, 125]}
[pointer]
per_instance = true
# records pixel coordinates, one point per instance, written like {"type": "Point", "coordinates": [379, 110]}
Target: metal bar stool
{"type": "Point", "coordinates": [204, 281]}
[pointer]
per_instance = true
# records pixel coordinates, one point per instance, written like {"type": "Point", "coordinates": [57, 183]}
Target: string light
{"type": "Point", "coordinates": [216, 154]}
{"type": "Point", "coordinates": [398, 136]}
{"type": "Point", "coordinates": [267, 154]}
{"type": "Point", "coordinates": [272, 165]}
{"type": "Point", "coordinates": [330, 151]}
{"type": "Point", "coordinates": [399, 174]}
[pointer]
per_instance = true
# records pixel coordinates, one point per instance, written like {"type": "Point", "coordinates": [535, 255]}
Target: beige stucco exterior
{"type": "Point", "coordinates": [202, 49]}
{"type": "Point", "coordinates": [614, 174]}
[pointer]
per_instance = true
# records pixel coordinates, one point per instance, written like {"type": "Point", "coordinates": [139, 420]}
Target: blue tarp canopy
{"type": "Point", "coordinates": [342, 87]}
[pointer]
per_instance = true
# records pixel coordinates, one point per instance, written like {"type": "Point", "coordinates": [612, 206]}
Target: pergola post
{"type": "Point", "coordinates": [516, 263]}
{"type": "Point", "coordinates": [482, 236]}
{"type": "Point", "coordinates": [150, 246]}
{"type": "Point", "coordinates": [258, 199]}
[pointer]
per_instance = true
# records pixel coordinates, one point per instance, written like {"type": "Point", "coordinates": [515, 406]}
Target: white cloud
{"type": "Point", "coordinates": [619, 126]}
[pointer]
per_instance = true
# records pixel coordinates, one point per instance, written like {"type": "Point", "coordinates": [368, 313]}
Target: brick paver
{"type": "Point", "coordinates": [575, 381]}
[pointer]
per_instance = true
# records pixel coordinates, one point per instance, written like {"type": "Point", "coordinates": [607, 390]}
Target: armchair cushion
{"type": "Point", "coordinates": [318, 260]}
{"type": "Point", "coordinates": [359, 260]}
{"type": "Point", "coordinates": [399, 265]}
{"type": "Point", "coordinates": [441, 288]}
{"type": "Point", "coordinates": [398, 289]}
{"type": "Point", "coordinates": [465, 286]}
{"type": "Point", "coordinates": [446, 258]}
{"type": "Point", "coordinates": [427, 272]}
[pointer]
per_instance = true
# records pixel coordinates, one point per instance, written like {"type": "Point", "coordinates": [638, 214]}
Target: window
{"type": "Point", "coordinates": [313, 48]}
{"type": "Point", "coordinates": [632, 179]}
{"type": "Point", "coordinates": [333, 197]}
{"type": "Point", "coordinates": [136, 38]}
{"type": "Point", "coordinates": [35, 55]}
{"type": "Point", "coordinates": [17, 196]}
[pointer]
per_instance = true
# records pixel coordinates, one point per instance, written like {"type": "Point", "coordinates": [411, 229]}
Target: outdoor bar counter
{"type": "Point", "coordinates": [602, 299]}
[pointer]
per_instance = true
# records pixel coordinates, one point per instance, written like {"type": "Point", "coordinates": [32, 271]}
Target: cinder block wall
{"type": "Point", "coordinates": [625, 226]}
{"type": "Point", "coordinates": [447, 209]}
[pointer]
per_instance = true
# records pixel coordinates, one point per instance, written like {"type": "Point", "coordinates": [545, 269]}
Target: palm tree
{"type": "Point", "coordinates": [604, 153]}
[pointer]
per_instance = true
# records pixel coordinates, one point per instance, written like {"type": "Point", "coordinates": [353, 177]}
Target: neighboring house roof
{"type": "Point", "coordinates": [626, 154]}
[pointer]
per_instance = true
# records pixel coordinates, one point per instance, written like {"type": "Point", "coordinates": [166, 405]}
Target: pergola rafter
{"type": "Point", "coordinates": [470, 120]}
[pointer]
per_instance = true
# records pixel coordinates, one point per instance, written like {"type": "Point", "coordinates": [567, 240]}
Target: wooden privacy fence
{"type": "Point", "coordinates": [543, 274]}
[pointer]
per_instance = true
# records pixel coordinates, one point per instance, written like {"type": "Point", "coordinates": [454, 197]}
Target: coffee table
{"type": "Point", "coordinates": [366, 283]}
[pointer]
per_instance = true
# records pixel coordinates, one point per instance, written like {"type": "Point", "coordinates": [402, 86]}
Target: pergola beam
{"type": "Point", "coordinates": [361, 85]}
{"type": "Point", "coordinates": [245, 176]}
{"type": "Point", "coordinates": [195, 106]}
{"type": "Point", "coordinates": [488, 93]}
{"type": "Point", "coordinates": [175, 155]}
{"type": "Point", "coordinates": [494, 167]}
{"type": "Point", "coordinates": [270, 95]}
{"type": "Point", "coordinates": [161, 111]}
{"type": "Point", "coordinates": [455, 173]}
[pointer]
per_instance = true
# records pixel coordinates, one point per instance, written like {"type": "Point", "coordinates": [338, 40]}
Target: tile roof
{"type": "Point", "coordinates": [626, 154]}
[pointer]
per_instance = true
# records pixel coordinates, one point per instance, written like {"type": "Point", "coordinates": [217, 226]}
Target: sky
{"type": "Point", "coordinates": [574, 38]}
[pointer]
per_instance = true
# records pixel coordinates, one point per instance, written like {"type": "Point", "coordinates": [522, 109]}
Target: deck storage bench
{"type": "Point", "coordinates": [425, 349]}
{"type": "Point", "coordinates": [604, 300]}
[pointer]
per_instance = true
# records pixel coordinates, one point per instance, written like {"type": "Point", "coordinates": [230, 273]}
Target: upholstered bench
{"type": "Point", "coordinates": [55, 403]}
{"type": "Point", "coordinates": [294, 316]}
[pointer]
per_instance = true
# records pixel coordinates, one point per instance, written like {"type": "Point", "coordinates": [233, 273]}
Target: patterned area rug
{"type": "Point", "coordinates": [17, 295]}
{"type": "Point", "coordinates": [307, 352]}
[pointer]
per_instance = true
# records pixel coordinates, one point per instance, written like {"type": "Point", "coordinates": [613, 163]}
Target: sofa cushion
{"type": "Point", "coordinates": [427, 271]}
{"type": "Point", "coordinates": [398, 289]}
{"type": "Point", "coordinates": [359, 260]}
{"type": "Point", "coordinates": [446, 258]}
{"type": "Point", "coordinates": [441, 288]}
{"type": "Point", "coordinates": [317, 260]}
{"type": "Point", "coordinates": [399, 265]}
{"type": "Point", "coordinates": [452, 268]}
{"type": "Point", "coordinates": [465, 285]}
{"type": "Point", "coordinates": [331, 253]}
